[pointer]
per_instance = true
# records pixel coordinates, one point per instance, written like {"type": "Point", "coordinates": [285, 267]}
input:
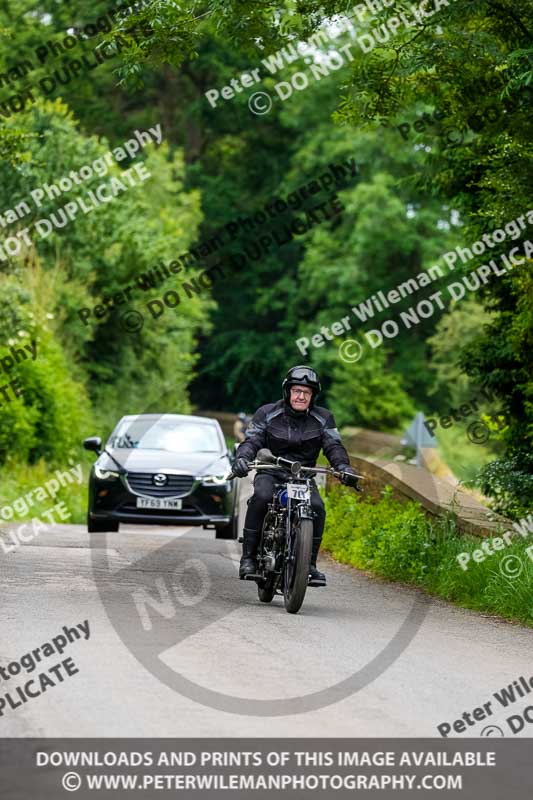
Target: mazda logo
{"type": "Point", "coordinates": [160, 479]}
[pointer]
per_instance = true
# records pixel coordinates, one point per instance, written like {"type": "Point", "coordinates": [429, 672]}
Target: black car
{"type": "Point", "coordinates": [163, 469]}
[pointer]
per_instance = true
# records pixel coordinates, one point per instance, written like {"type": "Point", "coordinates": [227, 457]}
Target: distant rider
{"type": "Point", "coordinates": [296, 429]}
{"type": "Point", "coordinates": [239, 427]}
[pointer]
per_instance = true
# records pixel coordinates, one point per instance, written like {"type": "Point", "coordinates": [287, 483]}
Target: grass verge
{"type": "Point", "coordinates": [18, 479]}
{"type": "Point", "coordinates": [399, 542]}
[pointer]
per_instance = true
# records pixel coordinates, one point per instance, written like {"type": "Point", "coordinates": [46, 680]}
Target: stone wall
{"type": "Point", "coordinates": [434, 495]}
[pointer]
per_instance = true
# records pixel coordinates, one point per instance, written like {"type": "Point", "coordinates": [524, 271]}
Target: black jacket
{"type": "Point", "coordinates": [296, 435]}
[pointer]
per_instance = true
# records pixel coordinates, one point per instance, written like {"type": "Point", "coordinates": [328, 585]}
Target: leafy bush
{"type": "Point", "coordinates": [398, 541]}
{"type": "Point", "coordinates": [509, 482]}
{"type": "Point", "coordinates": [48, 419]}
{"type": "Point", "coordinates": [88, 374]}
{"type": "Point", "coordinates": [19, 478]}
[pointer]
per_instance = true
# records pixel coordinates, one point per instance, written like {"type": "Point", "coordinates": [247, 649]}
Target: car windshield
{"type": "Point", "coordinates": [172, 435]}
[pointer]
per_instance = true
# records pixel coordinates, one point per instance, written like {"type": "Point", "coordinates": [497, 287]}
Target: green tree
{"type": "Point", "coordinates": [488, 179]}
{"type": "Point", "coordinates": [457, 328]}
{"type": "Point", "coordinates": [73, 267]}
{"type": "Point", "coordinates": [369, 395]}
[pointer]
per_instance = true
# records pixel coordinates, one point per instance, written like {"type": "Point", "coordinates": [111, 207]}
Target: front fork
{"type": "Point", "coordinates": [304, 511]}
{"type": "Point", "coordinates": [299, 512]}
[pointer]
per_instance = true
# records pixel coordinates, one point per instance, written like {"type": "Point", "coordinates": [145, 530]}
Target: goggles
{"type": "Point", "coordinates": [304, 375]}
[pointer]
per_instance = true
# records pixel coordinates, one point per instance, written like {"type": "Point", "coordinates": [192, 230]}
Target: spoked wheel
{"type": "Point", "coordinates": [297, 570]}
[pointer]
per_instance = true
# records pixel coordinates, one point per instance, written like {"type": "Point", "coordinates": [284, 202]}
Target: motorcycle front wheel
{"type": "Point", "coordinates": [297, 570]}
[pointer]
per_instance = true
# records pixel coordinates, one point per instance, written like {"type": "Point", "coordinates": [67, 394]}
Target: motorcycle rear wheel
{"type": "Point", "coordinates": [266, 589]}
{"type": "Point", "coordinates": [297, 571]}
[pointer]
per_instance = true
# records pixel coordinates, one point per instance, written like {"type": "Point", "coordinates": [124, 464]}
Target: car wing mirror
{"type": "Point", "coordinates": [93, 443]}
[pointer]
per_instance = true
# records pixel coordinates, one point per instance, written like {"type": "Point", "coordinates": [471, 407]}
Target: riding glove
{"type": "Point", "coordinates": [349, 476]}
{"type": "Point", "coordinates": [241, 468]}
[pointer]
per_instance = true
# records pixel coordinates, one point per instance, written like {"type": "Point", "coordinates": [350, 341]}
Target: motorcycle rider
{"type": "Point", "coordinates": [296, 429]}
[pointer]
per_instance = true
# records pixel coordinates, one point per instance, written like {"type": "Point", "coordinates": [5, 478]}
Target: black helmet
{"type": "Point", "coordinates": [301, 376]}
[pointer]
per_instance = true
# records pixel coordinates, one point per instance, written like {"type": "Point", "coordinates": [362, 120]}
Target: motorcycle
{"type": "Point", "coordinates": [284, 551]}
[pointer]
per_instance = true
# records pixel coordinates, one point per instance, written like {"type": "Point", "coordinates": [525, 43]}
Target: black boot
{"type": "Point", "coordinates": [316, 578]}
{"type": "Point", "coordinates": [250, 544]}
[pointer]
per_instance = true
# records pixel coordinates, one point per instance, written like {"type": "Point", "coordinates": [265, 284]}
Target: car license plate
{"type": "Point", "coordinates": [297, 492]}
{"type": "Point", "coordinates": [168, 503]}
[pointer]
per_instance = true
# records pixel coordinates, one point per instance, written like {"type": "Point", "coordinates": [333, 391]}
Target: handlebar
{"type": "Point", "coordinates": [276, 462]}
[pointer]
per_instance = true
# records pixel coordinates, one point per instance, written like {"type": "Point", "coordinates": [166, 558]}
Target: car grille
{"type": "Point", "coordinates": [187, 512]}
{"type": "Point", "coordinates": [176, 485]}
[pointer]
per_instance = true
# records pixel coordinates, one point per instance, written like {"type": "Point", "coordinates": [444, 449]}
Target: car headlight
{"type": "Point", "coordinates": [105, 474]}
{"type": "Point", "coordinates": [215, 480]}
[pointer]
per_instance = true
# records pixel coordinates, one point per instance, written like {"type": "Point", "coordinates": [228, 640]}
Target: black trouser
{"type": "Point", "coordinates": [262, 496]}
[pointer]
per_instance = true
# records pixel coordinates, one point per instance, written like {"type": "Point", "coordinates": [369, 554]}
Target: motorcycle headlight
{"type": "Point", "coordinates": [214, 480]}
{"type": "Point", "coordinates": [105, 474]}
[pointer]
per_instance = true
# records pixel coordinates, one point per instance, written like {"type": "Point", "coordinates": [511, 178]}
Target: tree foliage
{"type": "Point", "coordinates": [75, 267]}
{"type": "Point", "coordinates": [445, 183]}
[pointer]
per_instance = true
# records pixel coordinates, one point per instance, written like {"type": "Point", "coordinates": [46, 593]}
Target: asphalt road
{"type": "Point", "coordinates": [178, 646]}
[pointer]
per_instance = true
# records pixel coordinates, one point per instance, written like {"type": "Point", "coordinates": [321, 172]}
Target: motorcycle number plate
{"type": "Point", "coordinates": [297, 492]}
